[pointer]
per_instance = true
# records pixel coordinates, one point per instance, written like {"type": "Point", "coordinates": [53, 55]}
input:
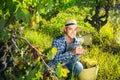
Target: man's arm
{"type": "Point", "coordinates": [63, 58]}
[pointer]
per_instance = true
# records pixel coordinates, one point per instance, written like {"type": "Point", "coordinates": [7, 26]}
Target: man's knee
{"type": "Point", "coordinates": [78, 68]}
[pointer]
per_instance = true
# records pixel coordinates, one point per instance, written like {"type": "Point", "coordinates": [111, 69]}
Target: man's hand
{"type": "Point", "coordinates": [78, 51]}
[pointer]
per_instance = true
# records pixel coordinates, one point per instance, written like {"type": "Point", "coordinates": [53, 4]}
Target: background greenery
{"type": "Point", "coordinates": [40, 21]}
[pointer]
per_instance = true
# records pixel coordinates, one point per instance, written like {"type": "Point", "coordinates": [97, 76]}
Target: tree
{"type": "Point", "coordinates": [99, 19]}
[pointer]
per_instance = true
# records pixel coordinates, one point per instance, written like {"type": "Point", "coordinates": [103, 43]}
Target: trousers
{"type": "Point", "coordinates": [74, 67]}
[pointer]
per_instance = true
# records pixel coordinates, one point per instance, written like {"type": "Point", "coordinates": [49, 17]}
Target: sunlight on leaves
{"type": "Point", "coordinates": [107, 31]}
{"type": "Point", "coordinates": [117, 36]}
{"type": "Point", "coordinates": [61, 72]}
{"type": "Point", "coordinates": [65, 72]}
{"type": "Point", "coordinates": [54, 50]}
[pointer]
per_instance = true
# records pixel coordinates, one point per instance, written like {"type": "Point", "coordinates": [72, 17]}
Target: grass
{"type": "Point", "coordinates": [38, 39]}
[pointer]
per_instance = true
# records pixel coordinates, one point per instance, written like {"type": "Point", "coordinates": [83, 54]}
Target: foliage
{"type": "Point", "coordinates": [52, 53]}
{"type": "Point", "coordinates": [61, 72]}
{"type": "Point", "coordinates": [39, 21]}
{"type": "Point", "coordinates": [106, 33]}
{"type": "Point", "coordinates": [38, 39]}
{"type": "Point", "coordinates": [117, 36]}
{"type": "Point", "coordinates": [115, 21]}
{"type": "Point", "coordinates": [96, 18]}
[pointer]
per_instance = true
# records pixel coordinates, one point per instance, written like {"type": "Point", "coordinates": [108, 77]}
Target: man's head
{"type": "Point", "coordinates": [71, 28]}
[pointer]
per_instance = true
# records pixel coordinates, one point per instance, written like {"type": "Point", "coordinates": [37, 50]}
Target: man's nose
{"type": "Point", "coordinates": [73, 31]}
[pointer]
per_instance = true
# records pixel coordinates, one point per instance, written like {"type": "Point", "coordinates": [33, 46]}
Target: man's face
{"type": "Point", "coordinates": [71, 31]}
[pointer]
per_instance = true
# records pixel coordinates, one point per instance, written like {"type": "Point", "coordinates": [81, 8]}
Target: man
{"type": "Point", "coordinates": [68, 49]}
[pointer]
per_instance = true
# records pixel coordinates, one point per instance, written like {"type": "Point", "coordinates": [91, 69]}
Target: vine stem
{"type": "Point", "coordinates": [39, 54]}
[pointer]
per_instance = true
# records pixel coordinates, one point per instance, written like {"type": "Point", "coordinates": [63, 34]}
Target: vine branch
{"type": "Point", "coordinates": [39, 54]}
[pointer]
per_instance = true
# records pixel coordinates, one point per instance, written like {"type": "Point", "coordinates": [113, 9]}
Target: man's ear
{"type": "Point", "coordinates": [65, 30]}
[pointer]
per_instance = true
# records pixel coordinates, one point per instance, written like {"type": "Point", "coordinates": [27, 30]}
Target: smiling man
{"type": "Point", "coordinates": [68, 49]}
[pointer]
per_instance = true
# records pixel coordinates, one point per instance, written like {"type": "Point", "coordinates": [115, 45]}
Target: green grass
{"type": "Point", "coordinates": [38, 38]}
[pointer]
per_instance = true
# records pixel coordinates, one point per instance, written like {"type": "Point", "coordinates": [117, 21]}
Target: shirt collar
{"type": "Point", "coordinates": [75, 39]}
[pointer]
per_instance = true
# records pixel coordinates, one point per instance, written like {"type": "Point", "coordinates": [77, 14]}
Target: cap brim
{"type": "Point", "coordinates": [63, 29]}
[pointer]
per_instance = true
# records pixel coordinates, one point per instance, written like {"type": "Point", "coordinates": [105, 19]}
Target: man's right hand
{"type": "Point", "coordinates": [78, 51]}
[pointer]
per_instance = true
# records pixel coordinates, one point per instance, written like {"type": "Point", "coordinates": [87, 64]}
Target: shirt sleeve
{"type": "Point", "coordinates": [75, 58]}
{"type": "Point", "coordinates": [61, 56]}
